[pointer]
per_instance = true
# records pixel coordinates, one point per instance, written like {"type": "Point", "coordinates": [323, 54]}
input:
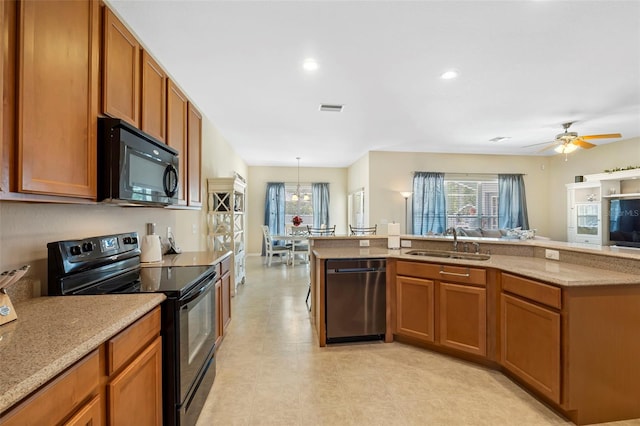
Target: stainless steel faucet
{"type": "Point", "coordinates": [476, 245]}
{"type": "Point", "coordinates": [452, 231]}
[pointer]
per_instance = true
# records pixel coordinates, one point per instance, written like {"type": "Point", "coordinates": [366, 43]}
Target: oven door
{"type": "Point", "coordinates": [197, 316]}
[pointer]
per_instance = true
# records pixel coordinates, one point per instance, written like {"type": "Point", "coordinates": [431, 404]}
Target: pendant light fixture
{"type": "Point", "coordinates": [296, 196]}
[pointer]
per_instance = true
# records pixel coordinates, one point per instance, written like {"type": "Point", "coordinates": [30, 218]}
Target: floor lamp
{"type": "Point", "coordinates": [406, 196]}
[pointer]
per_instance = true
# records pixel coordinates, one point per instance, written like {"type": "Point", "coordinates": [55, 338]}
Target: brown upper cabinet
{"type": "Point", "coordinates": [177, 107]}
{"type": "Point", "coordinates": [57, 100]}
{"type": "Point", "coordinates": [121, 71]}
{"type": "Point", "coordinates": [194, 151]}
{"type": "Point", "coordinates": [154, 98]}
{"type": "Point", "coordinates": [3, 53]}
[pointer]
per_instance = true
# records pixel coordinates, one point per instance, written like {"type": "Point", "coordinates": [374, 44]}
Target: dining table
{"type": "Point", "coordinates": [299, 244]}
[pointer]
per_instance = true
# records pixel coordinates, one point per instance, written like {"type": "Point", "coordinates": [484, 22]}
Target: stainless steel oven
{"type": "Point", "coordinates": [111, 264]}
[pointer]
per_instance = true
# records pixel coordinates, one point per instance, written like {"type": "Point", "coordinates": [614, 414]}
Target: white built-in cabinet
{"type": "Point", "coordinates": [588, 204]}
{"type": "Point", "coordinates": [226, 220]}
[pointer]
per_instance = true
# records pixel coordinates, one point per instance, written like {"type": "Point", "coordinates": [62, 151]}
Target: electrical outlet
{"type": "Point", "coordinates": [194, 228]}
{"type": "Point", "coordinates": [169, 232]}
{"type": "Point", "coordinates": [405, 243]}
{"type": "Point", "coordinates": [552, 254]}
{"type": "Point", "coordinates": [364, 243]}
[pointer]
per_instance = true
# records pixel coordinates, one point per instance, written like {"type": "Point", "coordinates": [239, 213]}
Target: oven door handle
{"type": "Point", "coordinates": [194, 295]}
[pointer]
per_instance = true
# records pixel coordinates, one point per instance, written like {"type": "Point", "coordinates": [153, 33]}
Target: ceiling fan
{"type": "Point", "coordinates": [569, 141]}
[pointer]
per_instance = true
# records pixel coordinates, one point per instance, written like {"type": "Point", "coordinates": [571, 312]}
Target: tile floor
{"type": "Point", "coordinates": [271, 371]}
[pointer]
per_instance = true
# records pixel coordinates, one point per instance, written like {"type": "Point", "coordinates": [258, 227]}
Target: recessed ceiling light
{"type": "Point", "coordinates": [448, 75]}
{"type": "Point", "coordinates": [310, 64]}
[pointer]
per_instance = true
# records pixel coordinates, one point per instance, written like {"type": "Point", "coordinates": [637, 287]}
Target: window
{"type": "Point", "coordinates": [302, 207]}
{"type": "Point", "coordinates": [472, 203]}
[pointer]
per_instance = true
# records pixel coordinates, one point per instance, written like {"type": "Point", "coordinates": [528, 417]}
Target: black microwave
{"type": "Point", "coordinates": [133, 167]}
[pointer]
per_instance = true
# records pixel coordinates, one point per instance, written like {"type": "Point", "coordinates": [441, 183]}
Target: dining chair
{"type": "Point", "coordinates": [326, 231]}
{"type": "Point", "coordinates": [273, 250]}
{"type": "Point", "coordinates": [363, 230]}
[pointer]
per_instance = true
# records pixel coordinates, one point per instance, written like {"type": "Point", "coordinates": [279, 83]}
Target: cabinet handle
{"type": "Point", "coordinates": [455, 274]}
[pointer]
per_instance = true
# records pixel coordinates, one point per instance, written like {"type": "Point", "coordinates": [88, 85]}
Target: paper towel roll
{"type": "Point", "coordinates": [393, 229]}
{"type": "Point", "coordinates": [393, 241]}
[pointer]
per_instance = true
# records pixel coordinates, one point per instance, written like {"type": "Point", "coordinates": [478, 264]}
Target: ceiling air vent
{"type": "Point", "coordinates": [331, 107]}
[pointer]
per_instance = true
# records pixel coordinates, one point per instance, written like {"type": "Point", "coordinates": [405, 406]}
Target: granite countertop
{"type": "Point", "coordinates": [554, 272]}
{"type": "Point", "coordinates": [52, 333]}
{"type": "Point", "coordinates": [190, 258]}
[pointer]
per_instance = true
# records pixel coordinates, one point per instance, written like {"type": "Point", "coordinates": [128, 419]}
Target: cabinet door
{"type": "Point", "coordinates": [135, 395]}
{"type": "Point", "coordinates": [415, 308]}
{"type": "Point", "coordinates": [177, 133]}
{"type": "Point", "coordinates": [194, 149]}
{"type": "Point", "coordinates": [57, 97]}
{"type": "Point", "coordinates": [463, 318]}
{"type": "Point", "coordinates": [530, 344]}
{"type": "Point", "coordinates": [120, 71]}
{"type": "Point", "coordinates": [226, 300]}
{"type": "Point", "coordinates": [218, 329]}
{"type": "Point", "coordinates": [3, 36]}
{"type": "Point", "coordinates": [153, 107]}
{"type": "Point", "coordinates": [89, 415]}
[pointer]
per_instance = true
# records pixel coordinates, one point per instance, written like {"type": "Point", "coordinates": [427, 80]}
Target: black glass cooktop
{"type": "Point", "coordinates": [170, 280]}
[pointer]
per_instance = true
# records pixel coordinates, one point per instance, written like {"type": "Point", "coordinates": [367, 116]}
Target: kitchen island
{"type": "Point", "coordinates": [566, 330]}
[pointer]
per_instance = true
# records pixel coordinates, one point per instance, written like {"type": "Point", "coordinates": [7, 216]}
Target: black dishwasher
{"type": "Point", "coordinates": [355, 299]}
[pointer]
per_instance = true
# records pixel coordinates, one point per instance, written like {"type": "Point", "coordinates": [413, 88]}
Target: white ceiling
{"type": "Point", "coordinates": [525, 68]}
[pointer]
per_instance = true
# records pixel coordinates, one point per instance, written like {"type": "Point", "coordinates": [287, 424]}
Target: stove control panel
{"type": "Point", "coordinates": [67, 256]}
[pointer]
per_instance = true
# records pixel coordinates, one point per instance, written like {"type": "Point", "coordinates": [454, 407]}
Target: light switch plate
{"type": "Point", "coordinates": [364, 243]}
{"type": "Point", "coordinates": [405, 243]}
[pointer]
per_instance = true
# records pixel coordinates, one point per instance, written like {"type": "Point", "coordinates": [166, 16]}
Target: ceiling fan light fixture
{"type": "Point", "coordinates": [565, 148]}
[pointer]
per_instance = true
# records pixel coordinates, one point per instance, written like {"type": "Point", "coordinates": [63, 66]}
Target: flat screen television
{"type": "Point", "coordinates": [624, 222]}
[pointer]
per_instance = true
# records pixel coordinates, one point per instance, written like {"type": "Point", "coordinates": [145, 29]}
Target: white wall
{"type": "Point", "coordinates": [583, 162]}
{"type": "Point", "coordinates": [257, 186]}
{"type": "Point", "coordinates": [218, 160]}
{"type": "Point", "coordinates": [391, 173]}
{"type": "Point", "coordinates": [358, 177]}
{"type": "Point", "coordinates": [26, 228]}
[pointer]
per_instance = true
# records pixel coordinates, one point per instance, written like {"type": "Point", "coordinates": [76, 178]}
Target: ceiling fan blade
{"type": "Point", "coordinates": [582, 144]}
{"type": "Point", "coordinates": [605, 136]}
{"type": "Point", "coordinates": [548, 147]}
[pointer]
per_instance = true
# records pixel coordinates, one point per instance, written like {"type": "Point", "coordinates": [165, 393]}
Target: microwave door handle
{"type": "Point", "coordinates": [170, 180]}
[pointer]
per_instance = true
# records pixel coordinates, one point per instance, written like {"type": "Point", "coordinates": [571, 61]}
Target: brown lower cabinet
{"type": "Point", "coordinates": [575, 347]}
{"type": "Point", "coordinates": [443, 305]}
{"type": "Point", "coordinates": [223, 299]}
{"type": "Point", "coordinates": [531, 344]}
{"type": "Point", "coordinates": [415, 308]}
{"type": "Point", "coordinates": [118, 383]}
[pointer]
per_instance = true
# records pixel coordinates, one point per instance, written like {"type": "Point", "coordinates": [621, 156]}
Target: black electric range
{"type": "Point", "coordinates": [110, 264]}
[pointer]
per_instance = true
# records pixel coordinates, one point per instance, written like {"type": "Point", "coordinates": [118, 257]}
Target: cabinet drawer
{"type": "Point", "coordinates": [461, 274]}
{"type": "Point", "coordinates": [54, 402]}
{"type": "Point", "coordinates": [533, 290]}
{"type": "Point", "coordinates": [130, 341]}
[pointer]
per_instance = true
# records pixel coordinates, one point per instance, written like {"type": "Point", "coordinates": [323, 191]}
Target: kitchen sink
{"type": "Point", "coordinates": [449, 254]}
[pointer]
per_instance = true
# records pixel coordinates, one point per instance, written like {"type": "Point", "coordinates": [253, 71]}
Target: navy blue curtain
{"type": "Point", "coordinates": [320, 199]}
{"type": "Point", "coordinates": [429, 203]}
{"type": "Point", "coordinates": [274, 209]}
{"type": "Point", "coordinates": [512, 202]}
